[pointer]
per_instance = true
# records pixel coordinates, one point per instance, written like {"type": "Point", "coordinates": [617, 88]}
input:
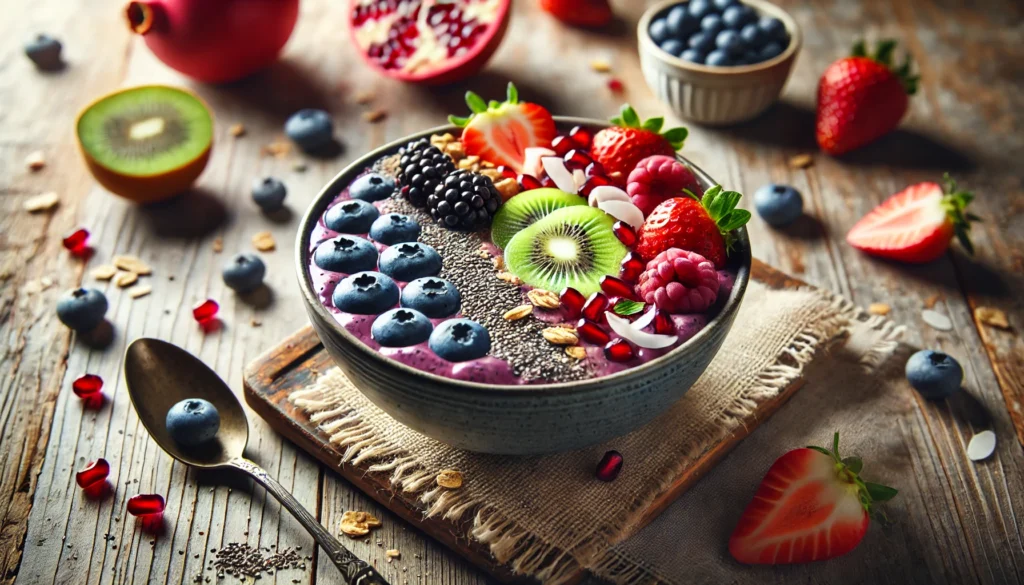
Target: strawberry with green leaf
{"type": "Point", "coordinates": [621, 147]}
{"type": "Point", "coordinates": [703, 226]}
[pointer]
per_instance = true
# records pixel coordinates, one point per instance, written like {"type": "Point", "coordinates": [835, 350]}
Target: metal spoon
{"type": "Point", "coordinates": [161, 374]}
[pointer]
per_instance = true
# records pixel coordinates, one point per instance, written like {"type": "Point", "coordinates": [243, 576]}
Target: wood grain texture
{"type": "Point", "coordinates": [967, 119]}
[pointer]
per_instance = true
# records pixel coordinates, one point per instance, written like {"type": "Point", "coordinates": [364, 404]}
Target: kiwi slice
{"type": "Point", "coordinates": [573, 246]}
{"type": "Point", "coordinates": [526, 208]}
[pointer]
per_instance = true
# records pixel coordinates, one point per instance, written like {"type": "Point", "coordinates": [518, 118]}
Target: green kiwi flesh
{"type": "Point", "coordinates": [525, 208]}
{"type": "Point", "coordinates": [146, 131]}
{"type": "Point", "coordinates": [573, 246]}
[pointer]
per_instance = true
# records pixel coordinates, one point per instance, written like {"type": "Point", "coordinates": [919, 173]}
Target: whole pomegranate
{"type": "Point", "coordinates": [214, 40]}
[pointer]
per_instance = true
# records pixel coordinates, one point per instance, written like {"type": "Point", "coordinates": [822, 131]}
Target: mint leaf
{"type": "Point", "coordinates": [627, 307]}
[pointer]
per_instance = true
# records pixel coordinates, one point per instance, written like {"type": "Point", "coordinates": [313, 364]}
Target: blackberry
{"type": "Point", "coordinates": [421, 168]}
{"type": "Point", "coordinates": [464, 201]}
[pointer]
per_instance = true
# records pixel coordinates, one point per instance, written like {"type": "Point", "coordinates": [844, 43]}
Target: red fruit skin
{"type": "Point", "coordinates": [214, 40]}
{"type": "Point", "coordinates": [583, 13]}
{"type": "Point", "coordinates": [681, 223]}
{"type": "Point", "coordinates": [859, 101]}
{"type": "Point", "coordinates": [657, 178]}
{"type": "Point", "coordinates": [619, 150]}
{"type": "Point", "coordinates": [802, 512]}
{"type": "Point", "coordinates": [919, 230]}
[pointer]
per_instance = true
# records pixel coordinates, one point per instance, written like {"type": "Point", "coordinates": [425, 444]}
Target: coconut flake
{"type": "Point", "coordinates": [644, 320]}
{"type": "Point", "coordinates": [579, 178]}
{"type": "Point", "coordinates": [623, 211]}
{"type": "Point", "coordinates": [936, 320]}
{"type": "Point", "coordinates": [555, 168]}
{"type": "Point", "coordinates": [981, 446]}
{"type": "Point", "coordinates": [624, 328]}
{"type": "Point", "coordinates": [531, 159]}
{"type": "Point", "coordinates": [607, 193]}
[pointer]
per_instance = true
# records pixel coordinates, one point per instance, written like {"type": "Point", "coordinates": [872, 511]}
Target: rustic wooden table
{"type": "Point", "coordinates": [967, 119]}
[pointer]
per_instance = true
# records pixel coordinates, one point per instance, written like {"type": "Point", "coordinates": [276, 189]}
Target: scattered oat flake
{"type": "Point", "coordinates": [374, 116]}
{"type": "Point", "coordinates": [42, 202]}
{"type": "Point", "coordinates": [576, 352]}
{"type": "Point", "coordinates": [560, 336]}
{"type": "Point", "coordinates": [278, 148]}
{"type": "Point", "coordinates": [392, 553]}
{"type": "Point", "coordinates": [449, 478]}
{"type": "Point", "coordinates": [930, 301]}
{"type": "Point", "coordinates": [35, 161]}
{"type": "Point", "coordinates": [509, 277]}
{"type": "Point", "coordinates": [132, 264]}
{"type": "Point", "coordinates": [125, 279]}
{"type": "Point", "coordinates": [499, 263]}
{"type": "Point", "coordinates": [544, 299]}
{"type": "Point", "coordinates": [255, 322]}
{"type": "Point", "coordinates": [104, 272]}
{"type": "Point", "coordinates": [264, 241]}
{"type": "Point", "coordinates": [600, 65]}
{"type": "Point", "coordinates": [992, 317]}
{"type": "Point", "coordinates": [218, 245]}
{"type": "Point", "coordinates": [981, 446]}
{"type": "Point", "coordinates": [518, 313]}
{"type": "Point", "coordinates": [139, 291]}
{"type": "Point", "coordinates": [879, 309]}
{"type": "Point", "coordinates": [365, 97]}
{"type": "Point", "coordinates": [801, 161]}
{"type": "Point", "coordinates": [936, 320]}
{"type": "Point", "coordinates": [357, 524]}
{"type": "Point", "coordinates": [237, 130]}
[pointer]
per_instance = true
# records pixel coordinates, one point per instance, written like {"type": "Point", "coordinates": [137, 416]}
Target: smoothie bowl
{"type": "Point", "coordinates": [521, 302]}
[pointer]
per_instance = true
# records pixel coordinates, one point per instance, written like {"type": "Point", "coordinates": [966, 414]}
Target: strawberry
{"type": "Point", "coordinates": [862, 98]}
{"type": "Point", "coordinates": [916, 224]}
{"type": "Point", "coordinates": [584, 13]}
{"type": "Point", "coordinates": [702, 225]}
{"type": "Point", "coordinates": [810, 506]}
{"type": "Point", "coordinates": [621, 147]}
{"type": "Point", "coordinates": [500, 133]}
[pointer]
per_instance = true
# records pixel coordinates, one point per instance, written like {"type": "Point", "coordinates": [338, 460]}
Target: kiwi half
{"type": "Point", "coordinates": [573, 246]}
{"type": "Point", "coordinates": [146, 143]}
{"type": "Point", "coordinates": [526, 208]}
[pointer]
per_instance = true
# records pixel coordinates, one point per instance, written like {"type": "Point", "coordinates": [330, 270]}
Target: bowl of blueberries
{"type": "Point", "coordinates": [717, 62]}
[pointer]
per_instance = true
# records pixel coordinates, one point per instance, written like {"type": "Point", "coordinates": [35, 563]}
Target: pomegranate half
{"type": "Point", "coordinates": [428, 41]}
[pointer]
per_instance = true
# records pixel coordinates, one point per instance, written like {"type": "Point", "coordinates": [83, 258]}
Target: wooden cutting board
{"type": "Point", "coordinates": [294, 363]}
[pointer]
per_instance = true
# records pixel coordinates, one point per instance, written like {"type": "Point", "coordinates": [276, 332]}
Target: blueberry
{"type": "Point", "coordinates": [672, 47]}
{"type": "Point", "coordinates": [711, 24]}
{"type": "Point", "coordinates": [702, 42]}
{"type": "Point", "coordinates": [723, 4]}
{"type": "Point", "coordinates": [730, 42]}
{"type": "Point", "coordinates": [346, 254]}
{"type": "Point", "coordinates": [394, 228]}
{"type": "Point", "coordinates": [738, 16]}
{"type": "Point", "coordinates": [718, 58]}
{"type": "Point", "coordinates": [458, 340]}
{"type": "Point", "coordinates": [752, 36]}
{"type": "Point", "coordinates": [401, 328]}
{"type": "Point", "coordinates": [269, 193]}
{"type": "Point", "coordinates": [82, 309]}
{"type": "Point", "coordinates": [351, 217]}
{"type": "Point", "coordinates": [772, 28]}
{"type": "Point", "coordinates": [193, 421]}
{"type": "Point", "coordinates": [244, 273]}
{"type": "Point", "coordinates": [432, 296]}
{"type": "Point", "coordinates": [371, 187]}
{"type": "Point", "coordinates": [658, 30]}
{"type": "Point", "coordinates": [410, 261]}
{"type": "Point", "coordinates": [310, 129]}
{"type": "Point", "coordinates": [933, 374]}
{"type": "Point", "coordinates": [778, 205]}
{"type": "Point", "coordinates": [693, 56]}
{"type": "Point", "coordinates": [770, 51]}
{"type": "Point", "coordinates": [680, 22]}
{"type": "Point", "coordinates": [365, 293]}
{"type": "Point", "coordinates": [700, 8]}
{"type": "Point", "coordinates": [751, 57]}
{"type": "Point", "coordinates": [44, 51]}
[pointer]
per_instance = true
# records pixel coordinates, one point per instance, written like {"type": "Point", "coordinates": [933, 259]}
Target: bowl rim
{"type": "Point", "coordinates": [647, 43]}
{"type": "Point", "coordinates": [338, 183]}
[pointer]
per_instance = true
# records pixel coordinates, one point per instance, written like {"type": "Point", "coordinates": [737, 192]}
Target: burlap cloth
{"type": "Point", "coordinates": [548, 517]}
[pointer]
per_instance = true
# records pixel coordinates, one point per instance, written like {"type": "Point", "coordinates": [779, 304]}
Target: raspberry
{"type": "Point", "coordinates": [678, 281]}
{"type": "Point", "coordinates": [657, 178]}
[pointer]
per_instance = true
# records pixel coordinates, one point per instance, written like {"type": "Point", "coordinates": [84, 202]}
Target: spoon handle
{"type": "Point", "coordinates": [355, 571]}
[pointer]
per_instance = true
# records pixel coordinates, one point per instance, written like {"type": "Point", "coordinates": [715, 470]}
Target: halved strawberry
{"type": "Point", "coordinates": [811, 505]}
{"type": "Point", "coordinates": [916, 224]}
{"type": "Point", "coordinates": [501, 132]}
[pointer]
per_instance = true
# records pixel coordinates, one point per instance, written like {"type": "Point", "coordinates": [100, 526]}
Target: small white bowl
{"type": "Point", "coordinates": [716, 96]}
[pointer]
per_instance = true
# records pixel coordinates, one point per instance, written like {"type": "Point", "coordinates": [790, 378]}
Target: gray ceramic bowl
{"type": "Point", "coordinates": [516, 420]}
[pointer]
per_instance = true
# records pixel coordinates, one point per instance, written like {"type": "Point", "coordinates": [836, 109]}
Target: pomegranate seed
{"type": "Point", "coordinates": [592, 332]}
{"type": "Point", "coordinates": [95, 471]}
{"type": "Point", "coordinates": [615, 85]}
{"type": "Point", "coordinates": [632, 267]}
{"type": "Point", "coordinates": [580, 136]}
{"type": "Point", "coordinates": [616, 287]}
{"type": "Point", "coordinates": [87, 385]}
{"type": "Point", "coordinates": [76, 240]}
{"type": "Point", "coordinates": [625, 233]}
{"type": "Point", "coordinates": [562, 145]}
{"type": "Point", "coordinates": [663, 323]}
{"type": "Point", "coordinates": [572, 301]}
{"type": "Point", "coordinates": [594, 169]}
{"type": "Point", "coordinates": [205, 311]}
{"type": "Point", "coordinates": [594, 308]}
{"type": "Point", "coordinates": [507, 172]}
{"type": "Point", "coordinates": [619, 351]}
{"type": "Point", "coordinates": [576, 159]}
{"type": "Point", "coordinates": [146, 504]}
{"type": "Point", "coordinates": [609, 466]}
{"type": "Point", "coordinates": [595, 181]}
{"type": "Point", "coordinates": [547, 181]}
{"type": "Point", "coordinates": [528, 182]}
